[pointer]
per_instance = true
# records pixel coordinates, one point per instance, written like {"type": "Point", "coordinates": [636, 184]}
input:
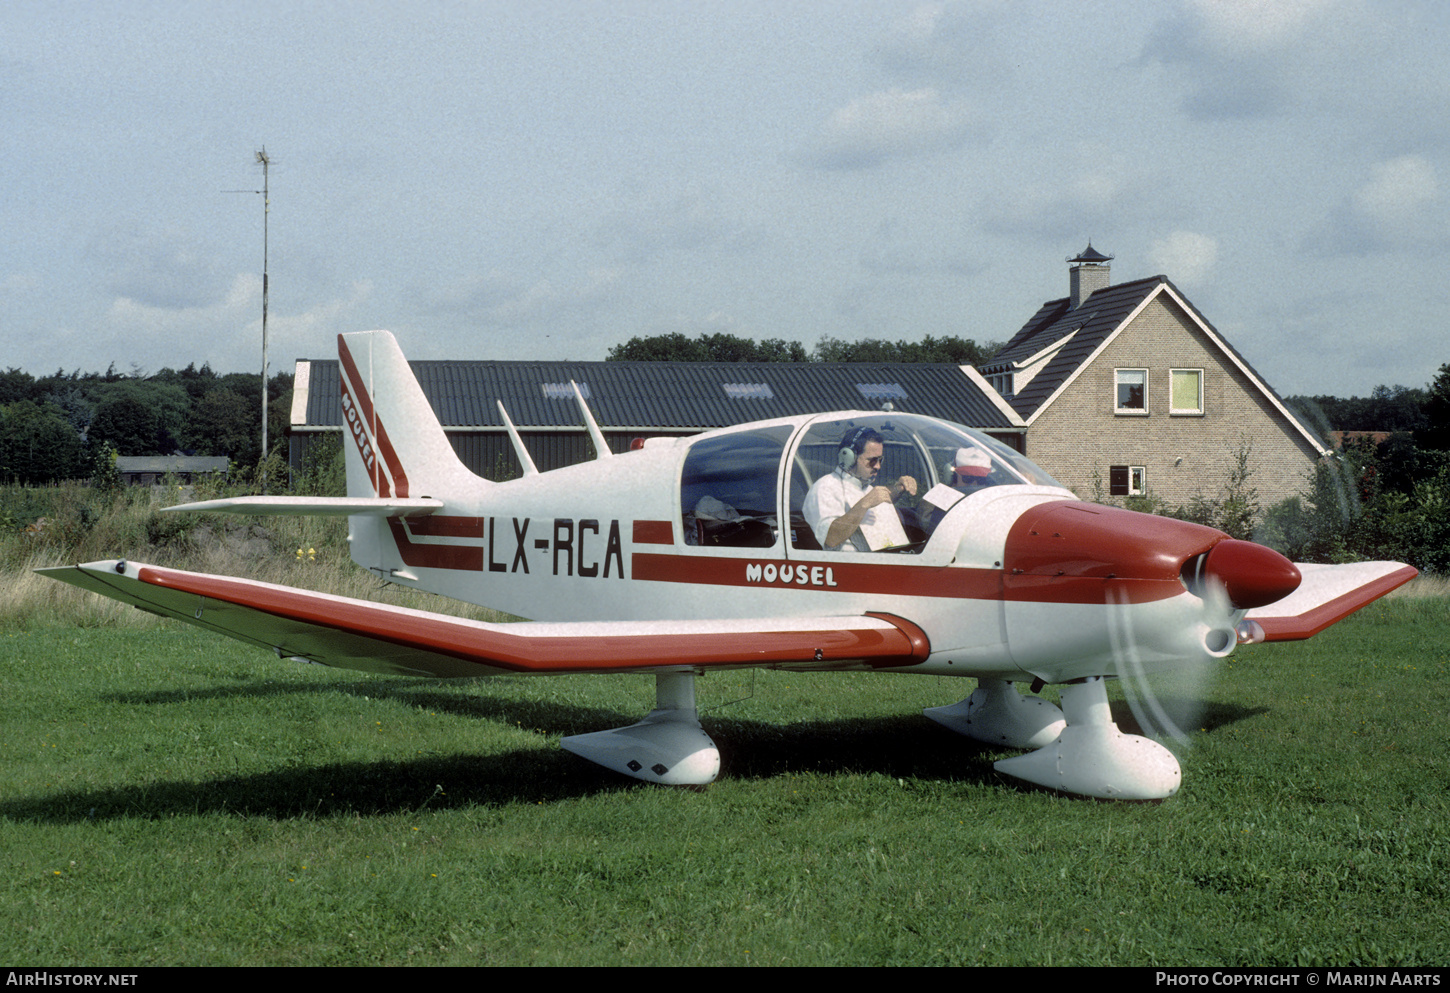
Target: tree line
{"type": "Point", "coordinates": [677, 347]}
{"type": "Point", "coordinates": [1387, 499]}
{"type": "Point", "coordinates": [55, 427]}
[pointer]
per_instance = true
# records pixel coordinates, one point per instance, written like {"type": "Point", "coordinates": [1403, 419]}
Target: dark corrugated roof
{"type": "Point", "coordinates": [672, 395]}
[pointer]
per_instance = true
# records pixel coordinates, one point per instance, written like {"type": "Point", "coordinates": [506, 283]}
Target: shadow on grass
{"type": "Point", "coordinates": [331, 790]}
{"type": "Point", "coordinates": [474, 702]}
{"type": "Point", "coordinates": [1207, 715]}
{"type": "Point", "coordinates": [902, 747]}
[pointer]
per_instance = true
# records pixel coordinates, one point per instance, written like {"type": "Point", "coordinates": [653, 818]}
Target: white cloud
{"type": "Point", "coordinates": [227, 333]}
{"type": "Point", "coordinates": [694, 325]}
{"type": "Point", "coordinates": [941, 42]}
{"type": "Point", "coordinates": [167, 268]}
{"type": "Point", "coordinates": [1398, 207]}
{"type": "Point", "coordinates": [1397, 194]}
{"type": "Point", "coordinates": [19, 282]}
{"type": "Point", "coordinates": [689, 221]}
{"type": "Point", "coordinates": [1257, 25]}
{"type": "Point", "coordinates": [1249, 58]}
{"type": "Point", "coordinates": [891, 124]}
{"type": "Point", "coordinates": [1096, 191]}
{"type": "Point", "coordinates": [506, 299]}
{"type": "Point", "coordinates": [1185, 257]}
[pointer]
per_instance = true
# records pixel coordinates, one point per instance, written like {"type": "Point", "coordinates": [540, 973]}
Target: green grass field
{"type": "Point", "coordinates": [172, 798]}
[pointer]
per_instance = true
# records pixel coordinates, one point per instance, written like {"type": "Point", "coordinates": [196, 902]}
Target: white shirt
{"type": "Point", "coordinates": [831, 496]}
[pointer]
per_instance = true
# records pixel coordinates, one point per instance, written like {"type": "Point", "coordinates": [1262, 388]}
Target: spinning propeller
{"type": "Point", "coordinates": [1174, 598]}
{"type": "Point", "coordinates": [1229, 579]}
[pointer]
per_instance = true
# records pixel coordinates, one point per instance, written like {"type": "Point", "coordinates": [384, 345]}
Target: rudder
{"type": "Point", "coordinates": [397, 447]}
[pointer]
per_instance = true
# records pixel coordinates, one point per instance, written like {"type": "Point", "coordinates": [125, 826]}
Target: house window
{"type": "Point", "coordinates": [1132, 391]}
{"type": "Point", "coordinates": [1002, 383]}
{"type": "Point", "coordinates": [1185, 391]}
{"type": "Point", "coordinates": [1127, 480]}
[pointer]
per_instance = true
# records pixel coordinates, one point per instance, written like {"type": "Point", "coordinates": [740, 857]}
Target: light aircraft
{"type": "Point", "coordinates": [692, 554]}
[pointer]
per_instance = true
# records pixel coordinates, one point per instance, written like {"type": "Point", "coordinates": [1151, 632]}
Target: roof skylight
{"type": "Point", "coordinates": [564, 391]}
{"type": "Point", "coordinates": [748, 391]}
{"type": "Point", "coordinates": [881, 391]}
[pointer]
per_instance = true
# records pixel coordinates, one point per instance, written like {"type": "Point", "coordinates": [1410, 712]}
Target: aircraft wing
{"type": "Point", "coordinates": [1328, 594]}
{"type": "Point", "coordinates": [316, 506]}
{"type": "Point", "coordinates": [376, 637]}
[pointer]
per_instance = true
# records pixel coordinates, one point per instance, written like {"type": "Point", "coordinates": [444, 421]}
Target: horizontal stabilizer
{"type": "Point", "coordinates": [376, 637]}
{"type": "Point", "coordinates": [1328, 594]}
{"type": "Point", "coordinates": [317, 506]}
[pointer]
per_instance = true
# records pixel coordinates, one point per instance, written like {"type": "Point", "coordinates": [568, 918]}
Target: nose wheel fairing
{"type": "Point", "coordinates": [1078, 749]}
{"type": "Point", "coordinates": [1091, 757]}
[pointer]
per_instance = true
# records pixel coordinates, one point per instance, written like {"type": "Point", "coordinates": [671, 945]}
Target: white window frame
{"type": "Point", "coordinates": [1117, 386]}
{"type": "Point", "coordinates": [1185, 411]}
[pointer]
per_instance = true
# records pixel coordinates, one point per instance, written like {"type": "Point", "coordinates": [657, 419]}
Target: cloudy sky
{"type": "Point", "coordinates": [547, 179]}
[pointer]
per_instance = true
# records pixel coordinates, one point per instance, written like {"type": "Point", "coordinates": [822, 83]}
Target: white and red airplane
{"type": "Point", "coordinates": [692, 554]}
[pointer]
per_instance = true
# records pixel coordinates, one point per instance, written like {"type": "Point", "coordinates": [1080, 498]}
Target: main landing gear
{"type": "Point", "coordinates": [668, 747]}
{"type": "Point", "coordinates": [1078, 748]}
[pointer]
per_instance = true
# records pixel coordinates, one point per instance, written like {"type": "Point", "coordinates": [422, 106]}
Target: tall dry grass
{"type": "Point", "coordinates": [73, 523]}
{"type": "Point", "coordinates": [1425, 586]}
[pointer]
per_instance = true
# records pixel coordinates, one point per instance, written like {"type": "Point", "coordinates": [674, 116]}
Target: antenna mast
{"type": "Point", "coordinates": [266, 210]}
{"type": "Point", "coordinates": [265, 162]}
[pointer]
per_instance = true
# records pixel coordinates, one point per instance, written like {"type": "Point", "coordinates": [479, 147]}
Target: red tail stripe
{"type": "Point", "coordinates": [364, 404]}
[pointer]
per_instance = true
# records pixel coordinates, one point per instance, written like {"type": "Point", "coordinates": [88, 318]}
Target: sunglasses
{"type": "Point", "coordinates": [874, 463]}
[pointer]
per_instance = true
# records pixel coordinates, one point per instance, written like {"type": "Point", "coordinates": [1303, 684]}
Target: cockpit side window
{"type": "Point", "coordinates": [728, 489]}
{"type": "Point", "coordinates": [819, 455]}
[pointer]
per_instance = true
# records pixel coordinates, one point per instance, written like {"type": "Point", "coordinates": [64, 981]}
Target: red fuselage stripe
{"type": "Point", "coordinates": [870, 574]}
{"type": "Point", "coordinates": [654, 533]}
{"type": "Point", "coordinates": [467, 558]}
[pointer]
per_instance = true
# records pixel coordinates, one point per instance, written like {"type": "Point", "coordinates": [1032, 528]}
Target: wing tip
{"type": "Point", "coordinates": [1307, 624]}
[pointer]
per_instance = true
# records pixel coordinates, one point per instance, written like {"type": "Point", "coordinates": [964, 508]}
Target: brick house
{"type": "Point", "coordinates": [1128, 389]}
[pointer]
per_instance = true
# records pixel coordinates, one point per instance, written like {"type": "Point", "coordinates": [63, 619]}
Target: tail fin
{"type": "Point", "coordinates": [397, 447]}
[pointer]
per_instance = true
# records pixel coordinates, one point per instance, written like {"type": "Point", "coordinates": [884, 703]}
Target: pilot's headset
{"type": "Point", "coordinates": [847, 456]}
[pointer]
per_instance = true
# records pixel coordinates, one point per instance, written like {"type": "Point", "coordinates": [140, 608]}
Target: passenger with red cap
{"type": "Point", "coordinates": [971, 470]}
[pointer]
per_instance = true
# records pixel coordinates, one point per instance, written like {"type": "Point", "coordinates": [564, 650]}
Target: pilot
{"type": "Point", "coordinates": [845, 510]}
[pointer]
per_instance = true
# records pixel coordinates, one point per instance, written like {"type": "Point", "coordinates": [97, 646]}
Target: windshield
{"type": "Point", "coordinates": [946, 462]}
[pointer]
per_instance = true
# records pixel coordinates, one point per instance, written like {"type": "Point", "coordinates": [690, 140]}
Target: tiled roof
{"type": "Point", "coordinates": [1094, 321]}
{"type": "Point", "coordinates": [674, 395]}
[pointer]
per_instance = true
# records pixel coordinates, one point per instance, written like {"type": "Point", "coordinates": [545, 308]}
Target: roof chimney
{"type": "Point", "coordinates": [1090, 272]}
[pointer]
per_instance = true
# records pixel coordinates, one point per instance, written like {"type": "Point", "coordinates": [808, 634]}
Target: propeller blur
{"type": "Point", "coordinates": [960, 557]}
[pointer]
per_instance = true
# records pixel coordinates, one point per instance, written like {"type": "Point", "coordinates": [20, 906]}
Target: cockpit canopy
{"type": "Point", "coordinates": [733, 480]}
